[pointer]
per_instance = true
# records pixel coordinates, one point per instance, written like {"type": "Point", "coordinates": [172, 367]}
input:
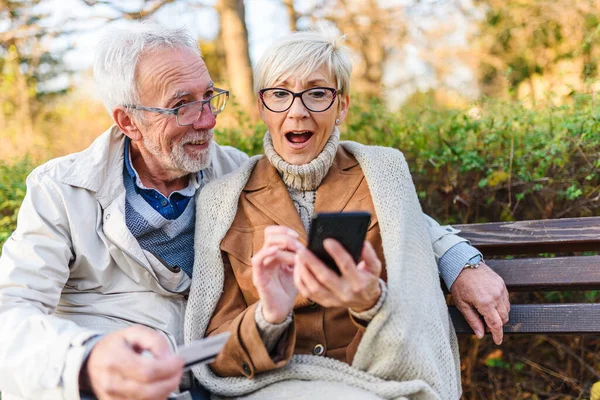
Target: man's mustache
{"type": "Point", "coordinates": [194, 136]}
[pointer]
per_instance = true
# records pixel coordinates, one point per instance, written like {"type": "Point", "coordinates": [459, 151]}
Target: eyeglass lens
{"type": "Point", "coordinates": [189, 114]}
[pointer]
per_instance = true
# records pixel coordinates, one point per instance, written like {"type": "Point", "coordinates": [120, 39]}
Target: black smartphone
{"type": "Point", "coordinates": [348, 228]}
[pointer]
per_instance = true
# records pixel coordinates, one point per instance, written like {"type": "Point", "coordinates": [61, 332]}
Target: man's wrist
{"type": "Point", "coordinates": [85, 384]}
{"type": "Point", "coordinates": [451, 264]}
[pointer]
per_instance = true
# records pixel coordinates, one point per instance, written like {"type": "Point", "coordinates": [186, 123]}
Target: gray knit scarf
{"type": "Point", "coordinates": [306, 176]}
{"type": "Point", "coordinates": [303, 180]}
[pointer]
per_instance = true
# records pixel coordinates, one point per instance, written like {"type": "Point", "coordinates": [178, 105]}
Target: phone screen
{"type": "Point", "coordinates": [348, 228]}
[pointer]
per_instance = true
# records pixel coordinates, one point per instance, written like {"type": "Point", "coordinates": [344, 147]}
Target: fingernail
{"type": "Point", "coordinates": [147, 354]}
{"type": "Point", "coordinates": [478, 334]}
{"type": "Point", "coordinates": [293, 233]}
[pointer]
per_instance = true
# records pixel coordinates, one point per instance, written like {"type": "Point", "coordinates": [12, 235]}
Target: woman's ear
{"type": "Point", "coordinates": [126, 124]}
{"type": "Point", "coordinates": [343, 107]}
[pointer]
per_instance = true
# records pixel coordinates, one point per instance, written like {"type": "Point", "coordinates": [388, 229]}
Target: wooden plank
{"type": "Point", "coordinates": [543, 318]}
{"type": "Point", "coordinates": [535, 236]}
{"type": "Point", "coordinates": [557, 273]}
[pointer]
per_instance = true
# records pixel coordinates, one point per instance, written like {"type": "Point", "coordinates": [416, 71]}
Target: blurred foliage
{"type": "Point", "coordinates": [12, 191]}
{"type": "Point", "coordinates": [27, 64]}
{"type": "Point", "coordinates": [529, 48]}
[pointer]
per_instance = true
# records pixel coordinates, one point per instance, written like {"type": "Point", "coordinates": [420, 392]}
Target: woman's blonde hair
{"type": "Point", "coordinates": [302, 53]}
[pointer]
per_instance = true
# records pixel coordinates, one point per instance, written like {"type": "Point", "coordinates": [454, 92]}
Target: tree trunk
{"type": "Point", "coordinates": [292, 15]}
{"type": "Point", "coordinates": [23, 114]}
{"type": "Point", "coordinates": [235, 43]}
{"type": "Point", "coordinates": [368, 30]}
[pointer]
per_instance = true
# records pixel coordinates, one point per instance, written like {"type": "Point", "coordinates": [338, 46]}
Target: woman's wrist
{"type": "Point", "coordinates": [377, 294]}
{"type": "Point", "coordinates": [274, 317]}
{"type": "Point", "coordinates": [369, 312]}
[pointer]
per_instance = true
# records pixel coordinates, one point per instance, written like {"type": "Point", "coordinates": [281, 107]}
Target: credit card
{"type": "Point", "coordinates": [203, 351]}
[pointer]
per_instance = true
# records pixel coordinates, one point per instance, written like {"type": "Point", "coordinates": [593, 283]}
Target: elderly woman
{"type": "Point", "coordinates": [381, 328]}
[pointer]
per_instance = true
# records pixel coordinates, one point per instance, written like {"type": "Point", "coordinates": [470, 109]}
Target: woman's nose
{"type": "Point", "coordinates": [297, 110]}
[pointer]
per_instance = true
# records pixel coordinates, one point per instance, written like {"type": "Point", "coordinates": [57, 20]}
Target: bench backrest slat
{"type": "Point", "coordinates": [536, 236]}
{"type": "Point", "coordinates": [556, 273]}
{"type": "Point", "coordinates": [543, 318]}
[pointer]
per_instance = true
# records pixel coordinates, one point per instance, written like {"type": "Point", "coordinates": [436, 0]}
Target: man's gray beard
{"type": "Point", "coordinates": [178, 160]}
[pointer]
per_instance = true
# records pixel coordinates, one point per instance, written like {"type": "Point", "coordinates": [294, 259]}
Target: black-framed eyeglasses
{"type": "Point", "coordinates": [317, 99]}
{"type": "Point", "coordinates": [187, 114]}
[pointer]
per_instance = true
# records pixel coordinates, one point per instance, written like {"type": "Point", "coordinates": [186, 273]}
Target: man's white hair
{"type": "Point", "coordinates": [302, 53]}
{"type": "Point", "coordinates": [118, 53]}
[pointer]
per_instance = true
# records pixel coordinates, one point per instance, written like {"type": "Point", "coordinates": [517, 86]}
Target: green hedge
{"type": "Point", "coordinates": [12, 190]}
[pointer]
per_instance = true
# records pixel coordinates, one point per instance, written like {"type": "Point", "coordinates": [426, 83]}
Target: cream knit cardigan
{"type": "Point", "coordinates": [409, 349]}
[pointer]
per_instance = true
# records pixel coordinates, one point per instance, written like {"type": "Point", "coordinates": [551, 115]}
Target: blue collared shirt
{"type": "Point", "coordinates": [169, 207]}
{"type": "Point", "coordinates": [453, 261]}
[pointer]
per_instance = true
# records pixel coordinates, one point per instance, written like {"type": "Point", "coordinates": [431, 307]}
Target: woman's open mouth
{"type": "Point", "coordinates": [298, 139]}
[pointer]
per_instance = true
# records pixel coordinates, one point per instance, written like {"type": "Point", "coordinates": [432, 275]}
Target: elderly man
{"type": "Point", "coordinates": [97, 273]}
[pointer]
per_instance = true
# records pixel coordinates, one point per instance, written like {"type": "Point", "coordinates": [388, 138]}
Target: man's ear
{"type": "Point", "coordinates": [124, 121]}
{"type": "Point", "coordinates": [343, 107]}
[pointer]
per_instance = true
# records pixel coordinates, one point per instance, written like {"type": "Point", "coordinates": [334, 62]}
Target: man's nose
{"type": "Point", "coordinates": [207, 120]}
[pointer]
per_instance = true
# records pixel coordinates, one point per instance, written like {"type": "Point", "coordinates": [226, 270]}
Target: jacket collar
{"type": "Point", "coordinates": [99, 168]}
{"type": "Point", "coordinates": [267, 192]}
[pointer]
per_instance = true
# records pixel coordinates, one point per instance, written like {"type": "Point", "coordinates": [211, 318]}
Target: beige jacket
{"type": "Point", "coordinates": [72, 269]}
{"type": "Point", "coordinates": [265, 201]}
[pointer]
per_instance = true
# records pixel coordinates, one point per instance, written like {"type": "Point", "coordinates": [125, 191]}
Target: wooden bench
{"type": "Point", "coordinates": [538, 273]}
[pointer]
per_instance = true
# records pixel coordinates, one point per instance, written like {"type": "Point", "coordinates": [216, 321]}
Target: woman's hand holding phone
{"type": "Point", "coordinates": [273, 275]}
{"type": "Point", "coordinates": [356, 288]}
{"type": "Point", "coordinates": [283, 267]}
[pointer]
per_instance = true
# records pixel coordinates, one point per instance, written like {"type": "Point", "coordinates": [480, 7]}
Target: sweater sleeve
{"type": "Point", "coordinates": [270, 333]}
